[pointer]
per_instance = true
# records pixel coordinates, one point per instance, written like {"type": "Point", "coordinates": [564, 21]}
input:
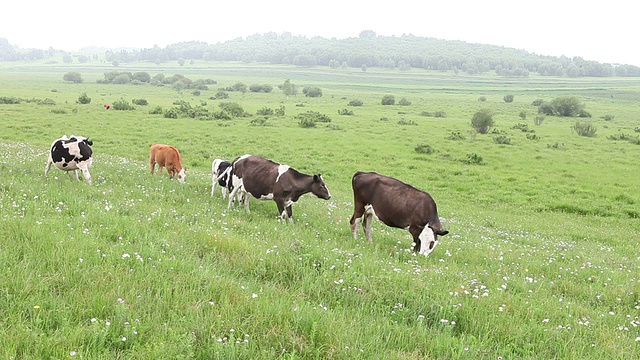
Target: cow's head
{"type": "Point", "coordinates": [429, 239]}
{"type": "Point", "coordinates": [319, 188]}
{"type": "Point", "coordinates": [81, 139]}
{"type": "Point", "coordinates": [182, 174]}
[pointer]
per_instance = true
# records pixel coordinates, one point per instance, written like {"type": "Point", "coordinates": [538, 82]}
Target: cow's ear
{"type": "Point", "coordinates": [442, 232]}
{"type": "Point", "coordinates": [317, 177]}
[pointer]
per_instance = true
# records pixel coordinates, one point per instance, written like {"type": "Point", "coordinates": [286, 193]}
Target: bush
{"type": "Point", "coordinates": [156, 110]}
{"type": "Point", "coordinates": [584, 129]}
{"type": "Point", "coordinates": [280, 111]}
{"type": "Point", "coordinates": [58, 111]}
{"type": "Point", "coordinates": [47, 101]}
{"type": "Point", "coordinates": [345, 112]}
{"type": "Point", "coordinates": [355, 103]}
{"type": "Point", "coordinates": [539, 119]}
{"type": "Point", "coordinates": [232, 108]}
{"type": "Point", "coordinates": [440, 114]}
{"type": "Point", "coordinates": [258, 122]}
{"type": "Point", "coordinates": [508, 98]}
{"type": "Point", "coordinates": [306, 123]}
{"type": "Point", "coordinates": [473, 159]}
{"type": "Point", "coordinates": [533, 137]}
{"type": "Point", "coordinates": [537, 102]}
{"type": "Point", "coordinates": [404, 122]}
{"type": "Point", "coordinates": [141, 76]}
{"type": "Point", "coordinates": [482, 121]}
{"type": "Point", "coordinates": [523, 115]}
{"type": "Point", "coordinates": [482, 98]}
{"type": "Point", "coordinates": [456, 135]}
{"type": "Point", "coordinates": [608, 117]}
{"type": "Point", "coordinates": [73, 77]}
{"type": "Point", "coordinates": [261, 88]}
{"type": "Point", "coordinates": [314, 116]}
{"type": "Point", "coordinates": [404, 102]}
{"type": "Point", "coordinates": [122, 79]}
{"type": "Point", "coordinates": [621, 136]}
{"type": "Point", "coordinates": [84, 99]}
{"type": "Point", "coordinates": [567, 106]}
{"type": "Point", "coordinates": [265, 111]}
{"type": "Point", "coordinates": [196, 93]}
{"type": "Point", "coordinates": [221, 95]}
{"type": "Point", "coordinates": [9, 100]}
{"type": "Point", "coordinates": [388, 100]}
{"type": "Point", "coordinates": [122, 104]}
{"type": "Point", "coordinates": [141, 102]}
{"type": "Point", "coordinates": [424, 149]}
{"type": "Point", "coordinates": [312, 92]}
{"type": "Point", "coordinates": [171, 113]}
{"type": "Point", "coordinates": [502, 140]}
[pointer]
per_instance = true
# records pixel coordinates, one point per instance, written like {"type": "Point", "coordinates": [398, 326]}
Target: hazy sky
{"type": "Point", "coordinates": [601, 31]}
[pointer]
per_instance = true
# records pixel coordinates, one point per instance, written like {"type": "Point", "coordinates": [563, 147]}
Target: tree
{"type": "Point", "coordinates": [508, 98]}
{"type": "Point", "coordinates": [388, 100]}
{"type": "Point", "coordinates": [288, 88]}
{"type": "Point", "coordinates": [84, 99]}
{"type": "Point", "coordinates": [482, 121]}
{"type": "Point", "coordinates": [141, 76]}
{"type": "Point", "coordinates": [567, 106]}
{"type": "Point", "coordinates": [73, 76]}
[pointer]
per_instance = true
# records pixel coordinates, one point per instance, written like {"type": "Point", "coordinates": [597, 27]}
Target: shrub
{"type": "Point", "coordinates": [261, 88]}
{"type": "Point", "coordinates": [122, 79]}
{"type": "Point", "coordinates": [58, 111]}
{"type": "Point", "coordinates": [388, 100]}
{"type": "Point", "coordinates": [171, 113]}
{"type": "Point", "coordinates": [456, 135]}
{"type": "Point", "coordinates": [404, 122]}
{"type": "Point", "coordinates": [265, 111]}
{"type": "Point", "coordinates": [306, 123]}
{"type": "Point", "coordinates": [539, 119]}
{"type": "Point", "coordinates": [533, 137]}
{"type": "Point", "coordinates": [502, 140]}
{"type": "Point", "coordinates": [221, 115]}
{"type": "Point", "coordinates": [221, 95]}
{"type": "Point", "coordinates": [608, 117]}
{"type": "Point", "coordinates": [482, 121]}
{"type": "Point", "coordinates": [141, 102]}
{"type": "Point", "coordinates": [621, 136]}
{"type": "Point", "coordinates": [84, 99]}
{"type": "Point", "coordinates": [556, 145]}
{"type": "Point", "coordinates": [482, 98]}
{"type": "Point", "coordinates": [508, 98]}
{"type": "Point", "coordinates": [232, 108]}
{"type": "Point", "coordinates": [141, 76]}
{"type": "Point", "coordinates": [47, 101]}
{"type": "Point", "coordinates": [523, 115]}
{"type": "Point", "coordinates": [280, 111]}
{"type": "Point", "coordinates": [440, 114]}
{"type": "Point", "coordinates": [424, 149]}
{"type": "Point", "coordinates": [404, 102]}
{"type": "Point", "coordinates": [156, 110]}
{"type": "Point", "coordinates": [546, 109]}
{"type": "Point", "coordinates": [345, 112]}
{"type": "Point", "coordinates": [567, 106]}
{"type": "Point", "coordinates": [73, 76]}
{"type": "Point", "coordinates": [355, 103]}
{"type": "Point", "coordinates": [425, 113]}
{"type": "Point", "coordinates": [196, 93]}
{"type": "Point", "coordinates": [122, 104]}
{"type": "Point", "coordinates": [584, 129]}
{"type": "Point", "coordinates": [473, 159]}
{"type": "Point", "coordinates": [314, 116]}
{"type": "Point", "coordinates": [537, 102]}
{"type": "Point", "coordinates": [258, 122]}
{"type": "Point", "coordinates": [584, 114]}
{"type": "Point", "coordinates": [312, 92]}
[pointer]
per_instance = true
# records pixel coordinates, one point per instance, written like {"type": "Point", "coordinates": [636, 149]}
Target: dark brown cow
{"type": "Point", "coordinates": [169, 157]}
{"type": "Point", "coordinates": [398, 205]}
{"type": "Point", "coordinates": [266, 180]}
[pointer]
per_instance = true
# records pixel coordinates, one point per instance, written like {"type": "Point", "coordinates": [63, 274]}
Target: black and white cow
{"type": "Point", "coordinates": [398, 205]}
{"type": "Point", "coordinates": [220, 175]}
{"type": "Point", "coordinates": [268, 180]}
{"type": "Point", "coordinates": [71, 154]}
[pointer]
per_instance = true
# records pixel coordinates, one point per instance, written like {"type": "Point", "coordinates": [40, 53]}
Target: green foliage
{"type": "Point", "coordinates": [388, 100]}
{"type": "Point", "coordinates": [508, 98]}
{"type": "Point", "coordinates": [567, 106]}
{"type": "Point", "coordinates": [355, 103]}
{"type": "Point", "coordinates": [141, 102]}
{"type": "Point", "coordinates": [345, 112]}
{"type": "Point", "coordinates": [83, 59]}
{"type": "Point", "coordinates": [47, 101]}
{"type": "Point", "coordinates": [280, 111]}
{"type": "Point", "coordinates": [221, 95]}
{"type": "Point", "coordinates": [522, 127]}
{"type": "Point", "coordinates": [171, 113]}
{"type": "Point", "coordinates": [608, 117]}
{"type": "Point", "coordinates": [196, 93]}
{"type": "Point", "coordinates": [405, 122]}
{"type": "Point", "coordinates": [584, 129]}
{"type": "Point", "coordinates": [58, 111]}
{"type": "Point", "coordinates": [523, 115]}
{"type": "Point", "coordinates": [539, 119]}
{"type": "Point", "coordinates": [532, 137]}
{"type": "Point", "coordinates": [288, 88]}
{"type": "Point", "coordinates": [424, 149]}
{"type": "Point", "coordinates": [482, 121]}
{"type": "Point", "coordinates": [258, 122]}
{"type": "Point", "coordinates": [73, 76]}
{"type": "Point", "coordinates": [122, 104]}
{"type": "Point", "coordinates": [312, 91]}
{"type": "Point", "coordinates": [456, 136]}
{"type": "Point", "coordinates": [141, 76]}
{"type": "Point", "coordinates": [537, 102]}
{"type": "Point", "coordinates": [502, 139]}
{"type": "Point", "coordinates": [313, 116]}
{"type": "Point", "coordinates": [238, 86]}
{"type": "Point", "coordinates": [261, 88]}
{"type": "Point", "coordinates": [482, 98]}
{"type": "Point", "coordinates": [67, 58]}
{"type": "Point", "coordinates": [404, 102]}
{"type": "Point", "coordinates": [440, 114]}
{"type": "Point", "coordinates": [156, 110]}
{"type": "Point", "coordinates": [473, 159]}
{"type": "Point", "coordinates": [306, 122]}
{"type": "Point", "coordinates": [266, 111]}
{"type": "Point", "coordinates": [84, 99]}
{"type": "Point", "coordinates": [232, 108]}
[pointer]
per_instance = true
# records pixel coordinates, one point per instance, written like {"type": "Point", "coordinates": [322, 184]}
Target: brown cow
{"type": "Point", "coordinates": [169, 157]}
{"type": "Point", "coordinates": [398, 205]}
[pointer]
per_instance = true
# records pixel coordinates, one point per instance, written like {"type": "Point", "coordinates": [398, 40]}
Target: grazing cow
{"type": "Point", "coordinates": [398, 205]}
{"type": "Point", "coordinates": [265, 180]}
{"type": "Point", "coordinates": [220, 174]}
{"type": "Point", "coordinates": [169, 157]}
{"type": "Point", "coordinates": [71, 154]}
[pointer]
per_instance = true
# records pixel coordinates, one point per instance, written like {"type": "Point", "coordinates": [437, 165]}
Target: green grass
{"type": "Point", "coordinates": [541, 260]}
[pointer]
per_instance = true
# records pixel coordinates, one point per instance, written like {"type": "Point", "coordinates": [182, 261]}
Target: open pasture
{"type": "Point", "coordinates": [541, 260]}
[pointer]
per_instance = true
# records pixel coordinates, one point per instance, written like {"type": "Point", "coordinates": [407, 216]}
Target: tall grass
{"type": "Point", "coordinates": [541, 260]}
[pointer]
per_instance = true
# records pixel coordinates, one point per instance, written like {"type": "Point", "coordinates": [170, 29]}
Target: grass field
{"type": "Point", "coordinates": [541, 261]}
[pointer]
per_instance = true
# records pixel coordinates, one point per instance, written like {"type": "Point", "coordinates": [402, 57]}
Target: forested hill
{"type": "Point", "coordinates": [366, 50]}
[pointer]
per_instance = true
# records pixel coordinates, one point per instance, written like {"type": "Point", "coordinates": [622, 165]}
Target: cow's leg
{"type": "Point", "coordinates": [152, 166]}
{"type": "Point", "coordinates": [246, 203]}
{"type": "Point", "coordinates": [355, 218]}
{"type": "Point", "coordinates": [290, 213]}
{"type": "Point", "coordinates": [367, 221]}
{"type": "Point", "coordinates": [48, 166]}
{"type": "Point", "coordinates": [224, 192]}
{"type": "Point", "coordinates": [85, 172]}
{"type": "Point", "coordinates": [232, 196]}
{"type": "Point", "coordinates": [75, 172]}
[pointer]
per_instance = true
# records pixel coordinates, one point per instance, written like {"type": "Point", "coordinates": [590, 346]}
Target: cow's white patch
{"type": "Point", "coordinates": [281, 170]}
{"type": "Point", "coordinates": [181, 175]}
{"type": "Point", "coordinates": [368, 209]}
{"type": "Point", "coordinates": [428, 241]}
{"type": "Point", "coordinates": [269, 196]}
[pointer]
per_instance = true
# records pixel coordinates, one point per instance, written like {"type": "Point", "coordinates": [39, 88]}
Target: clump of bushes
{"type": "Point", "coordinates": [265, 111]}
{"type": "Point", "coordinates": [584, 129]}
{"type": "Point", "coordinates": [261, 88]}
{"type": "Point", "coordinates": [355, 103]}
{"type": "Point", "coordinates": [424, 149]}
{"type": "Point", "coordinates": [122, 104]}
{"type": "Point", "coordinates": [345, 112]}
{"type": "Point", "coordinates": [258, 122]}
{"type": "Point", "coordinates": [388, 100]}
{"type": "Point", "coordinates": [405, 122]}
{"type": "Point", "coordinates": [84, 99]}
{"type": "Point", "coordinates": [508, 98]}
{"type": "Point", "coordinates": [502, 140]}
{"type": "Point", "coordinates": [141, 102]}
{"type": "Point", "coordinates": [310, 118]}
{"type": "Point", "coordinates": [404, 102]}
{"type": "Point", "coordinates": [156, 110]}
{"type": "Point", "coordinates": [482, 121]}
{"type": "Point", "coordinates": [473, 159]}
{"type": "Point", "coordinates": [312, 91]}
{"type": "Point", "coordinates": [9, 100]}
{"type": "Point", "coordinates": [456, 135]}
{"type": "Point", "coordinates": [47, 101]}
{"type": "Point", "coordinates": [58, 111]}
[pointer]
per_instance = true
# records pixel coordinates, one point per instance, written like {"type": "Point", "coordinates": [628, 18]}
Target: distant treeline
{"type": "Point", "coordinates": [367, 50]}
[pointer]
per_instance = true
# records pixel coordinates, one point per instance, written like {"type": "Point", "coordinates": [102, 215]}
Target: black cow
{"type": "Point", "coordinates": [70, 155]}
{"type": "Point", "coordinates": [220, 175]}
{"type": "Point", "coordinates": [265, 180]}
{"type": "Point", "coordinates": [398, 205]}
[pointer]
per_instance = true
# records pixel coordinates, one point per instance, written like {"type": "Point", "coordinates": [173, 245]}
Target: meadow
{"type": "Point", "coordinates": [541, 260]}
